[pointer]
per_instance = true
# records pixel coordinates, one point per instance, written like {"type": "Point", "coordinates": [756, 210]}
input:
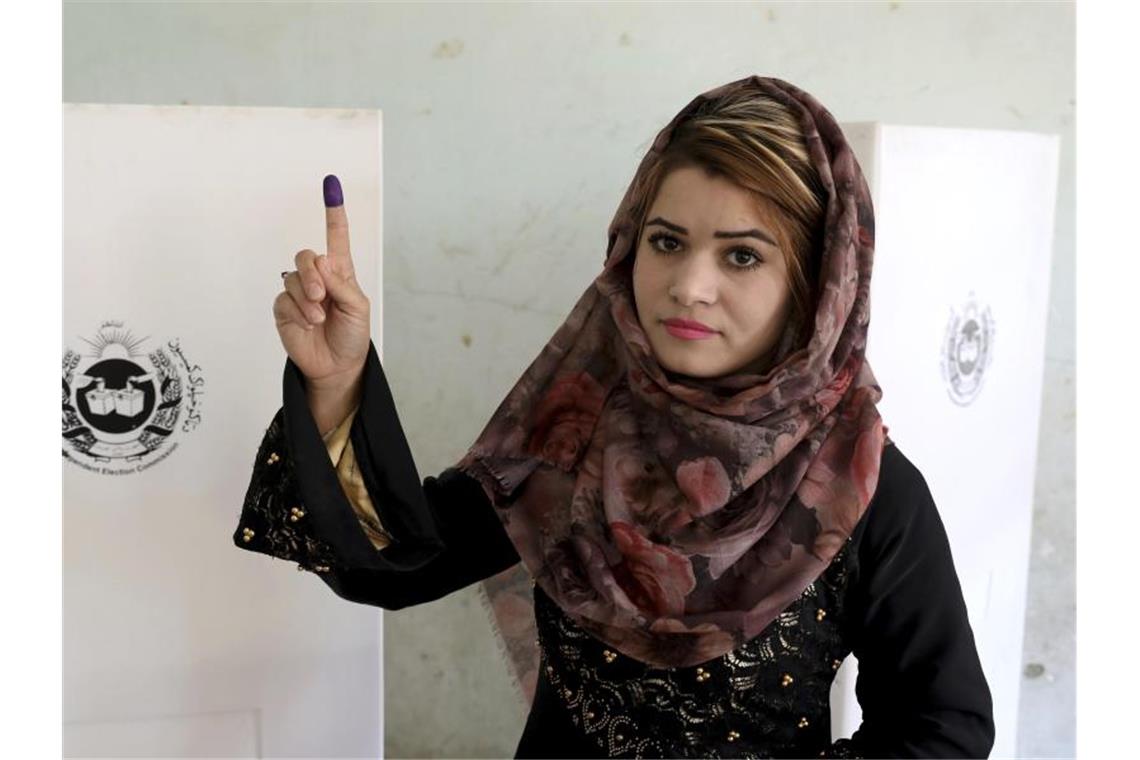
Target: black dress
{"type": "Point", "coordinates": [891, 596]}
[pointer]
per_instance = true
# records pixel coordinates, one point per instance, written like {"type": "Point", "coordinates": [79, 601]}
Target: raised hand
{"type": "Point", "coordinates": [322, 315]}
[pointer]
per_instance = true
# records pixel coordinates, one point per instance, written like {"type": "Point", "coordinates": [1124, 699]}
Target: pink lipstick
{"type": "Point", "coordinates": [688, 330]}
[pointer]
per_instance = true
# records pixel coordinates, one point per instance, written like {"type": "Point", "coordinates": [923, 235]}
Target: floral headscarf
{"type": "Point", "coordinates": [674, 519]}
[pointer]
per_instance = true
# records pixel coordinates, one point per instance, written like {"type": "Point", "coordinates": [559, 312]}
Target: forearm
{"type": "Point", "coordinates": [477, 547]}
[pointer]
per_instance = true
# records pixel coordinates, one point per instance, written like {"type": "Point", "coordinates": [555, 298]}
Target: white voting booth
{"type": "Point", "coordinates": [964, 239]}
{"type": "Point", "coordinates": [177, 221]}
{"type": "Point", "coordinates": [177, 643]}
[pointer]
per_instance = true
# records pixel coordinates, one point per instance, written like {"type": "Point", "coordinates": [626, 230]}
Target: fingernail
{"type": "Point", "coordinates": [334, 196]}
{"type": "Point", "coordinates": [314, 291]}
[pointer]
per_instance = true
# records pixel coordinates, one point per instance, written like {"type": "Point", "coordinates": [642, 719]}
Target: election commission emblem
{"type": "Point", "coordinates": [967, 350]}
{"type": "Point", "coordinates": [124, 405]}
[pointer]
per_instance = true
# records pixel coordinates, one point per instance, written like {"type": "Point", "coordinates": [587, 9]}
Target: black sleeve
{"type": "Point", "coordinates": [920, 683]}
{"type": "Point", "coordinates": [445, 533]}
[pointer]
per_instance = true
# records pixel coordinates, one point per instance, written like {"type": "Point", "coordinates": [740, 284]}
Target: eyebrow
{"type": "Point", "coordinates": [720, 234]}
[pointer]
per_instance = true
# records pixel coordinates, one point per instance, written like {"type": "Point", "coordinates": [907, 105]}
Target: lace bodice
{"type": "Point", "coordinates": [767, 698]}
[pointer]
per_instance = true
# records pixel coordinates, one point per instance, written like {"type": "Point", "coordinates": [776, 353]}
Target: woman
{"type": "Point", "coordinates": [692, 476]}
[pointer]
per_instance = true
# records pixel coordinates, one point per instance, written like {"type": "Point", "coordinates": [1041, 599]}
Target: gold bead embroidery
{"type": "Point", "coordinates": [742, 671]}
{"type": "Point", "coordinates": [268, 501]}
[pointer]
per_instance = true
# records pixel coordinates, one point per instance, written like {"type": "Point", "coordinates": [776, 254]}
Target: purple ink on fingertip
{"type": "Point", "coordinates": [334, 196]}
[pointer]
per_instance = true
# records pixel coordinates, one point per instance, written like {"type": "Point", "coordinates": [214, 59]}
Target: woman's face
{"type": "Point", "coordinates": [706, 254]}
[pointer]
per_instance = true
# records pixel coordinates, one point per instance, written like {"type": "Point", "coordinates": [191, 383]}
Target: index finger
{"type": "Point", "coordinates": [336, 226]}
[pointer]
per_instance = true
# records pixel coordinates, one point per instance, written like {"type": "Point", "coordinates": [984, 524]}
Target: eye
{"type": "Point", "coordinates": [658, 239]}
{"type": "Point", "coordinates": [755, 262]}
{"type": "Point", "coordinates": [664, 237]}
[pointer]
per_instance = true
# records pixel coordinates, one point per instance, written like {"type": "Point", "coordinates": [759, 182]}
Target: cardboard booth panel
{"type": "Point", "coordinates": [178, 221]}
{"type": "Point", "coordinates": [964, 239]}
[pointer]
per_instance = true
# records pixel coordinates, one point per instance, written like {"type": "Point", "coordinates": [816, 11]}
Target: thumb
{"type": "Point", "coordinates": [342, 288]}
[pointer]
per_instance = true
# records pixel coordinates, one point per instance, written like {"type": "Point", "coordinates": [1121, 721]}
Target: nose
{"type": "Point", "coordinates": [694, 281]}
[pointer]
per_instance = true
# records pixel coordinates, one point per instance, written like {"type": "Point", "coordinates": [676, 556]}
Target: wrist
{"type": "Point", "coordinates": [331, 400]}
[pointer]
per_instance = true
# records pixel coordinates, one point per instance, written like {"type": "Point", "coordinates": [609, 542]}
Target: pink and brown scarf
{"type": "Point", "coordinates": [675, 518]}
